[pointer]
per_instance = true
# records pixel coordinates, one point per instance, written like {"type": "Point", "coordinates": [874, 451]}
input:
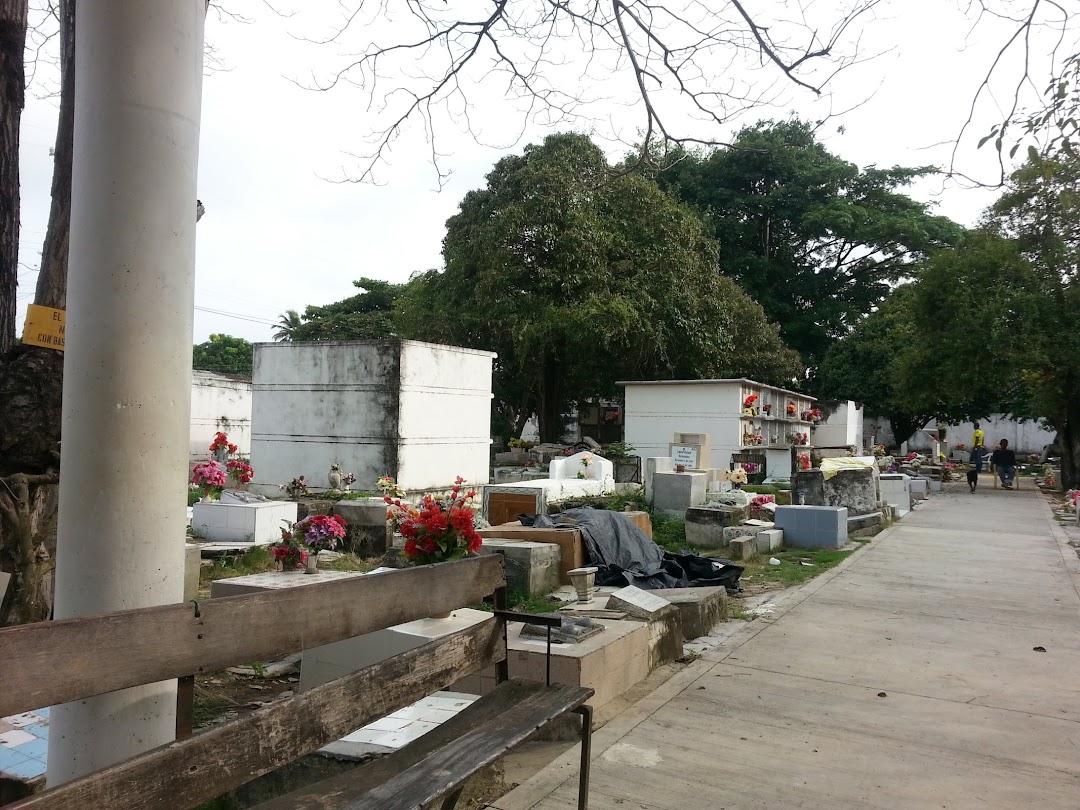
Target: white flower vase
{"type": "Point", "coordinates": [334, 479]}
{"type": "Point", "coordinates": [584, 582]}
{"type": "Point", "coordinates": [311, 564]}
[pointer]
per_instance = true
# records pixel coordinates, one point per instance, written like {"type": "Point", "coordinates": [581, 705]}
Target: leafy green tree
{"type": "Point", "coordinates": [224, 354]}
{"type": "Point", "coordinates": [811, 237]}
{"type": "Point", "coordinates": [864, 365]}
{"type": "Point", "coordinates": [577, 279]}
{"type": "Point", "coordinates": [975, 313]}
{"type": "Point", "coordinates": [365, 316]}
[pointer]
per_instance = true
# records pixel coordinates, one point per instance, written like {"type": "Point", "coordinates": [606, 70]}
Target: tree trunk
{"type": "Point", "coordinates": [549, 410]}
{"type": "Point", "coordinates": [1069, 439]}
{"type": "Point", "coordinates": [904, 426]}
{"type": "Point", "coordinates": [31, 386]}
{"type": "Point", "coordinates": [12, 44]}
{"type": "Point", "coordinates": [28, 505]}
{"type": "Point", "coordinates": [52, 279]}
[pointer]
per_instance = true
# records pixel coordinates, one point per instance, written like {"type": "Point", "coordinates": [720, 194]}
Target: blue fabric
{"type": "Point", "coordinates": [1006, 474]}
{"type": "Point", "coordinates": [977, 454]}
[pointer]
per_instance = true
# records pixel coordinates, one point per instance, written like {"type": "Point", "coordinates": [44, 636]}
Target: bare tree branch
{"type": "Point", "coordinates": [428, 60]}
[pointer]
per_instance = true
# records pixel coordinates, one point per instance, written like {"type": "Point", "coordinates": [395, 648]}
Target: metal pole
{"type": "Point", "coordinates": [127, 374]}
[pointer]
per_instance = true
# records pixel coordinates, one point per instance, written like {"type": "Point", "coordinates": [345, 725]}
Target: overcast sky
{"type": "Point", "coordinates": [278, 234]}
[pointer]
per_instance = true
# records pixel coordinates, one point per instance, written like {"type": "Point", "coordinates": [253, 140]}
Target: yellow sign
{"type": "Point", "coordinates": [44, 327]}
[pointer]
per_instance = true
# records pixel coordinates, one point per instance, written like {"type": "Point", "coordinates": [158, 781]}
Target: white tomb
{"type": "Point", "coordinates": [419, 412]}
{"type": "Point", "coordinates": [257, 523]}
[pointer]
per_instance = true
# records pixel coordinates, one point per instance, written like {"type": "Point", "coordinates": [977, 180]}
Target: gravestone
{"type": "Point", "coordinates": [640, 604]}
{"type": "Point", "coordinates": [705, 524]}
{"type": "Point", "coordinates": [813, 526]}
{"type": "Point", "coordinates": [677, 492]}
{"type": "Point", "coordinates": [532, 568]}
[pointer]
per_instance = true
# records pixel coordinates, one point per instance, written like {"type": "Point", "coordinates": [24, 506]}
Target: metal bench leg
{"type": "Point", "coordinates": [450, 802]}
{"type": "Point", "coordinates": [586, 756]}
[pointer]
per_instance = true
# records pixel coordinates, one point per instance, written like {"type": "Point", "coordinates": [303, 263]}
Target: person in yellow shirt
{"type": "Point", "coordinates": [978, 448]}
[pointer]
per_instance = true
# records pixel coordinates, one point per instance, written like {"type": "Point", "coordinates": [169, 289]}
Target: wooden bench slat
{"type": "Point", "coordinates": [188, 772]}
{"type": "Point", "coordinates": [338, 790]}
{"type": "Point", "coordinates": [449, 767]}
{"type": "Point", "coordinates": [49, 663]}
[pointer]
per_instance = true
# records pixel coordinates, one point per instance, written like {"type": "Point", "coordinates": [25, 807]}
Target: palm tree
{"type": "Point", "coordinates": [287, 325]}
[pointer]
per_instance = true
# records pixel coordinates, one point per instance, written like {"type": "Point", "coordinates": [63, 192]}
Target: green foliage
{"type": "Point", "coordinates": [972, 311]}
{"type": "Point", "coordinates": [669, 532]}
{"type": "Point", "coordinates": [618, 450]}
{"type": "Point", "coordinates": [812, 238]}
{"type": "Point", "coordinates": [224, 354]}
{"type": "Point", "coordinates": [865, 365]}
{"type": "Point", "coordinates": [791, 570]}
{"type": "Point", "coordinates": [365, 316]}
{"type": "Point", "coordinates": [578, 278]}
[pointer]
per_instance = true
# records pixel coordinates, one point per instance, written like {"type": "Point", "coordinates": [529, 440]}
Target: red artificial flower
{"type": "Point", "coordinates": [339, 520]}
{"type": "Point", "coordinates": [461, 519]}
{"type": "Point", "coordinates": [435, 522]}
{"type": "Point", "coordinates": [475, 541]}
{"type": "Point", "coordinates": [410, 549]}
{"type": "Point", "coordinates": [428, 545]}
{"type": "Point", "coordinates": [408, 529]}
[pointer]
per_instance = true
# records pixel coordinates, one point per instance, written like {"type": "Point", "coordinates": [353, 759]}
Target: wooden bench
{"type": "Point", "coordinates": [100, 654]}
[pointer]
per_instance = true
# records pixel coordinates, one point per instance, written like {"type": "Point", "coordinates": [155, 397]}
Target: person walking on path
{"type": "Point", "coordinates": [978, 448]}
{"type": "Point", "coordinates": [1004, 461]}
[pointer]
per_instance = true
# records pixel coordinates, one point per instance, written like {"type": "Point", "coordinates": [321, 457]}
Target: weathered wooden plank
{"type": "Point", "coordinates": [338, 790]}
{"type": "Point", "coordinates": [419, 786]}
{"type": "Point", "coordinates": [188, 772]}
{"type": "Point", "coordinates": [49, 663]}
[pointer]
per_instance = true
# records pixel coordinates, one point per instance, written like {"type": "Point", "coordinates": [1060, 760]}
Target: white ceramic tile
{"type": "Point", "coordinates": [437, 716]}
{"type": "Point", "coordinates": [11, 739]}
{"type": "Point", "coordinates": [397, 739]}
{"type": "Point", "coordinates": [389, 723]}
{"type": "Point", "coordinates": [367, 736]}
{"type": "Point", "coordinates": [410, 713]}
{"type": "Point", "coordinates": [24, 719]}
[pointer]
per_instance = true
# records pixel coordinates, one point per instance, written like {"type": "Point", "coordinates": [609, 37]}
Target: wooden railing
{"type": "Point", "coordinates": [56, 662]}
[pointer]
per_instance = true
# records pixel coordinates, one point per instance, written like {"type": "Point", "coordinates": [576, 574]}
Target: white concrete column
{"type": "Point", "coordinates": [127, 370]}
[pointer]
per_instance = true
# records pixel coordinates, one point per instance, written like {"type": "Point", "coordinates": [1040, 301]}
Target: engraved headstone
{"type": "Point", "coordinates": [639, 603]}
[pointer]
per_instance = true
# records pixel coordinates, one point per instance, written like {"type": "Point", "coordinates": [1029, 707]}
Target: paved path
{"type": "Point", "coordinates": [905, 678]}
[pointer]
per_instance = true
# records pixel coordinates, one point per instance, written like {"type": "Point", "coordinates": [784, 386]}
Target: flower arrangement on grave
{"type": "Point", "coordinates": [766, 408]}
{"type": "Point", "coordinates": [758, 501]}
{"type": "Point", "coordinates": [804, 415]}
{"type": "Point", "coordinates": [879, 451]}
{"type": "Point", "coordinates": [750, 400]}
{"type": "Point", "coordinates": [289, 551]}
{"type": "Point", "coordinates": [586, 462]}
{"type": "Point", "coordinates": [751, 468]}
{"type": "Point", "coordinates": [209, 476]}
{"type": "Point", "coordinates": [347, 480]}
{"type": "Point", "coordinates": [520, 444]}
{"type": "Point", "coordinates": [439, 529]}
{"type": "Point", "coordinates": [737, 477]}
{"type": "Point", "coordinates": [297, 488]}
{"type": "Point", "coordinates": [321, 531]}
{"type": "Point", "coordinates": [960, 447]}
{"type": "Point", "coordinates": [815, 415]}
{"type": "Point", "coordinates": [389, 487]}
{"type": "Point", "coordinates": [222, 448]}
{"type": "Point", "coordinates": [747, 439]}
{"type": "Point", "coordinates": [792, 410]}
{"type": "Point", "coordinates": [241, 472]}
{"type": "Point", "coordinates": [803, 460]}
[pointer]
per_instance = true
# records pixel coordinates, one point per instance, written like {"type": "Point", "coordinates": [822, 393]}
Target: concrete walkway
{"type": "Point", "coordinates": [905, 678]}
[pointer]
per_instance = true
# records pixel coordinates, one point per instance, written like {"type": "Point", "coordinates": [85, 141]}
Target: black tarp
{"type": "Point", "coordinates": [626, 556]}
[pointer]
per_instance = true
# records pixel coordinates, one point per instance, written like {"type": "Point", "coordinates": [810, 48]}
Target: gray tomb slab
{"type": "Point", "coordinates": [701, 609]}
{"type": "Point", "coordinates": [530, 567]}
{"type": "Point", "coordinates": [640, 604]}
{"type": "Point", "coordinates": [676, 492]}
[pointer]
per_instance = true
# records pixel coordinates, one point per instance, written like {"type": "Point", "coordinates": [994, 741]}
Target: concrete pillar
{"type": "Point", "coordinates": [127, 370]}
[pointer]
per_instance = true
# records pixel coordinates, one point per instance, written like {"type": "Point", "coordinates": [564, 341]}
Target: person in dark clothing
{"type": "Point", "coordinates": [1004, 461]}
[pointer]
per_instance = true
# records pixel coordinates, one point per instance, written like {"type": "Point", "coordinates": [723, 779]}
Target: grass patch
{"type": "Point", "coordinates": [669, 532]}
{"type": "Point", "coordinates": [518, 600]}
{"type": "Point", "coordinates": [613, 503]}
{"type": "Point", "coordinates": [255, 561]}
{"type": "Point", "coordinates": [259, 561]}
{"type": "Point", "coordinates": [791, 570]}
